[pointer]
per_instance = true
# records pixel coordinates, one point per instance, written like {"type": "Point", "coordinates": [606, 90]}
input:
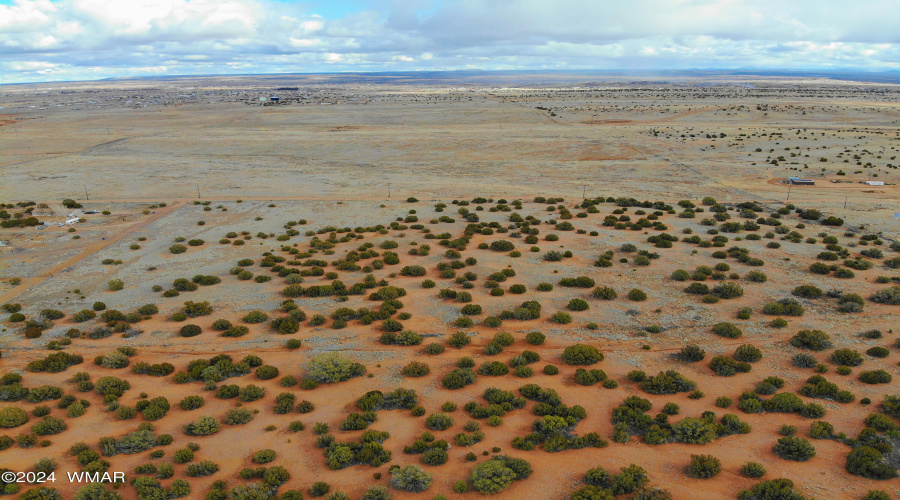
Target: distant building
{"type": "Point", "coordinates": [874, 183]}
{"type": "Point", "coordinates": [275, 99]}
{"type": "Point", "coordinates": [801, 182]}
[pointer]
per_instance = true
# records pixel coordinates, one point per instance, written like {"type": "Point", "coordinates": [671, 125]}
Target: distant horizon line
{"type": "Point", "coordinates": [846, 73]}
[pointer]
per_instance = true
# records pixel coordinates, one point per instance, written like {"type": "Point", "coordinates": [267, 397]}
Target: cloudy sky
{"type": "Point", "coordinates": [51, 40]}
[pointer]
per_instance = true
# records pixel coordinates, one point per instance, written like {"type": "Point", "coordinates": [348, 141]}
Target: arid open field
{"type": "Point", "coordinates": [562, 289]}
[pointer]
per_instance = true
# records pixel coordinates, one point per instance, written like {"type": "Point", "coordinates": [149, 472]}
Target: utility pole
{"type": "Point", "coordinates": [789, 191]}
{"type": "Point", "coordinates": [583, 191]}
{"type": "Point", "coordinates": [198, 191]}
{"type": "Point", "coordinates": [86, 197]}
{"type": "Point", "coordinates": [845, 201]}
{"type": "Point", "coordinates": [389, 189]}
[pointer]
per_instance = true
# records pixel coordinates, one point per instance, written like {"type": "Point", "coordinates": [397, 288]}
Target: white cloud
{"type": "Point", "coordinates": [151, 69]}
{"type": "Point", "coordinates": [32, 66]}
{"type": "Point", "coordinates": [86, 38]}
{"type": "Point", "coordinates": [305, 42]}
{"type": "Point", "coordinates": [46, 41]}
{"type": "Point", "coordinates": [24, 15]}
{"type": "Point", "coordinates": [314, 25]}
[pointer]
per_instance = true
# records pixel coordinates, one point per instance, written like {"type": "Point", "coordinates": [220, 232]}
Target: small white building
{"type": "Point", "coordinates": [874, 183]}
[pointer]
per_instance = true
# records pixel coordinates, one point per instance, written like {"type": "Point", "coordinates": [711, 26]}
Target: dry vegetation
{"type": "Point", "coordinates": [659, 337]}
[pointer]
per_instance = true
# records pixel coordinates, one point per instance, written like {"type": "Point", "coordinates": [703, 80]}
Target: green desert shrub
{"type": "Point", "coordinates": [12, 417]}
{"type": "Point", "coordinates": [458, 378]}
{"type": "Point", "coordinates": [236, 331]}
{"type": "Point", "coordinates": [438, 422]}
{"type": "Point", "coordinates": [319, 489]}
{"type": "Point", "coordinates": [727, 330]}
{"type": "Point", "coordinates": [875, 377]}
{"type": "Point", "coordinates": [498, 473]}
{"type": "Point", "coordinates": [727, 291]}
{"type": "Point", "coordinates": [878, 352]}
{"type": "Point", "coordinates": [846, 357]}
{"type": "Point", "coordinates": [561, 318]}
{"type": "Point", "coordinates": [697, 288]}
{"type": "Point", "coordinates": [255, 317]}
{"type": "Point", "coordinates": [794, 448]}
{"type": "Point", "coordinates": [266, 372]}
{"type": "Point", "coordinates": [577, 305]}
{"type": "Point", "coordinates": [757, 277]}
{"type": "Point", "coordinates": [869, 462]}
{"type": "Point", "coordinates": [334, 367]}
{"type": "Point", "coordinates": [772, 490]}
{"type": "Point", "coordinates": [815, 340]}
{"type": "Point", "coordinates": [204, 426]}
{"type": "Point", "coordinates": [691, 353]}
{"type": "Point", "coordinates": [581, 354]}
{"type": "Point", "coordinates": [189, 331]}
{"type": "Point", "coordinates": [410, 478]}
{"type": "Point", "coordinates": [195, 309]}
{"type": "Point", "coordinates": [753, 470]}
{"type": "Point", "coordinates": [748, 353]}
{"type": "Point", "coordinates": [681, 275]}
{"type": "Point", "coordinates": [637, 295]}
{"type": "Point", "coordinates": [785, 307]}
{"type": "Point", "coordinates": [804, 360]}
{"type": "Point", "coordinates": [889, 296]}
{"type": "Point", "coordinates": [725, 366]}
{"type": "Point", "coordinates": [238, 416]}
{"type": "Point", "coordinates": [668, 382]}
{"type": "Point", "coordinates": [807, 292]}
{"type": "Point", "coordinates": [403, 338]}
{"type": "Point", "coordinates": [191, 403]}
{"type": "Point", "coordinates": [535, 338]}
{"type": "Point", "coordinates": [821, 430]}
{"type": "Point", "coordinates": [416, 369]}
{"type": "Point", "coordinates": [704, 466]}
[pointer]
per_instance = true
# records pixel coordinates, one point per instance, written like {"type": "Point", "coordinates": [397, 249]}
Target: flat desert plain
{"type": "Point", "coordinates": [400, 288]}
